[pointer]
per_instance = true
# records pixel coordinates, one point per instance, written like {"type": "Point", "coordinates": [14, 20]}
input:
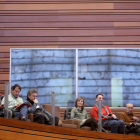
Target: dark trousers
{"type": "Point", "coordinates": [115, 126]}
{"type": "Point", "coordinates": [92, 123]}
{"type": "Point", "coordinates": [40, 118]}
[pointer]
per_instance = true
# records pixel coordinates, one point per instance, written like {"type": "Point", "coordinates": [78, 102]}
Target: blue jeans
{"type": "Point", "coordinates": [115, 125]}
{"type": "Point", "coordinates": [22, 112]}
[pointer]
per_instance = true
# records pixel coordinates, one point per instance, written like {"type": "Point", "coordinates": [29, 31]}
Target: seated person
{"type": "Point", "coordinates": [1, 97]}
{"type": "Point", "coordinates": [14, 101]}
{"type": "Point", "coordinates": [1, 107]}
{"type": "Point", "coordinates": [108, 121]}
{"type": "Point", "coordinates": [79, 113]}
{"type": "Point", "coordinates": [128, 117]}
{"type": "Point", "coordinates": [40, 114]}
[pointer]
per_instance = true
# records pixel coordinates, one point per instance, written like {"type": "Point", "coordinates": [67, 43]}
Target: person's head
{"type": "Point", "coordinates": [80, 102]}
{"type": "Point", "coordinates": [129, 108]}
{"type": "Point", "coordinates": [32, 94]}
{"type": "Point", "coordinates": [15, 90]}
{"type": "Point", "coordinates": [99, 97]}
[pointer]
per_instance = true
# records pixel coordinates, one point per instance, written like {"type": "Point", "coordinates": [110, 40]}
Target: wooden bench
{"type": "Point", "coordinates": [116, 111]}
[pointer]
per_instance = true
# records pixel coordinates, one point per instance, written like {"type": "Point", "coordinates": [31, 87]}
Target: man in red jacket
{"type": "Point", "coordinates": [109, 120]}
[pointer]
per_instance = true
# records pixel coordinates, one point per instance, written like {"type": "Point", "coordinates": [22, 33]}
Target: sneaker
{"type": "Point", "coordinates": [23, 119]}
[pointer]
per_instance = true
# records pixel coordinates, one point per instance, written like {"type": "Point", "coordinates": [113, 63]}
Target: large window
{"type": "Point", "coordinates": [46, 71]}
{"type": "Point", "coordinates": [115, 73]}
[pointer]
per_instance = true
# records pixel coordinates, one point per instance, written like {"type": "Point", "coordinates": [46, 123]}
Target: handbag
{"type": "Point", "coordinates": [46, 114]}
{"type": "Point", "coordinates": [132, 128]}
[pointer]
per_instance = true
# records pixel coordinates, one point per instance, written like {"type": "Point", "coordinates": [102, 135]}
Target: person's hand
{"type": "Point", "coordinates": [114, 116]}
{"type": "Point", "coordinates": [36, 101]}
{"type": "Point", "coordinates": [84, 119]}
{"type": "Point", "coordinates": [134, 123]}
{"type": "Point", "coordinates": [16, 105]}
{"type": "Point", "coordinates": [1, 106]}
{"type": "Point", "coordinates": [108, 117]}
{"type": "Point", "coordinates": [135, 118]}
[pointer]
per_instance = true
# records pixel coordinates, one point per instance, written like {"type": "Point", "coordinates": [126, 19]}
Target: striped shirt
{"type": "Point", "coordinates": [12, 101]}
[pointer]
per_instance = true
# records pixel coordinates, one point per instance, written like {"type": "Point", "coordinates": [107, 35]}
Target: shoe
{"type": "Point", "coordinates": [23, 119]}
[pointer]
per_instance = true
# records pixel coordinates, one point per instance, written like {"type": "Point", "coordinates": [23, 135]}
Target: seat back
{"type": "Point", "coordinates": [48, 108]}
{"type": "Point", "coordinates": [1, 97]}
{"type": "Point", "coordinates": [67, 113]}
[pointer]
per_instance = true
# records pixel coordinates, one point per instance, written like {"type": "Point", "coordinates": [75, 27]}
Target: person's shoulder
{"type": "Point", "coordinates": [106, 106]}
{"type": "Point", "coordinates": [73, 108]}
{"type": "Point", "coordinates": [26, 102]}
{"type": "Point", "coordinates": [10, 95]}
{"type": "Point", "coordinates": [94, 107]}
{"type": "Point", "coordinates": [123, 113]}
{"type": "Point", "coordinates": [84, 111]}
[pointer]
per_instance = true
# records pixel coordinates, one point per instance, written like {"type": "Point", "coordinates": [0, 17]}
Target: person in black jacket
{"type": "Point", "coordinates": [40, 114]}
{"type": "Point", "coordinates": [1, 107]}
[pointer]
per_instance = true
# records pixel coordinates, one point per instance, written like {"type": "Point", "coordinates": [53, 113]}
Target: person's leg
{"type": "Point", "coordinates": [40, 118]}
{"type": "Point", "coordinates": [10, 113]}
{"type": "Point", "coordinates": [91, 122]}
{"type": "Point", "coordinates": [24, 112]}
{"type": "Point", "coordinates": [121, 126]}
{"type": "Point", "coordinates": [56, 121]}
{"type": "Point", "coordinates": [16, 115]}
{"type": "Point", "coordinates": [138, 132]}
{"type": "Point", "coordinates": [113, 124]}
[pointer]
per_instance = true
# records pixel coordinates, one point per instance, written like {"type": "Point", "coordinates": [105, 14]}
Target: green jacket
{"type": "Point", "coordinates": [79, 115]}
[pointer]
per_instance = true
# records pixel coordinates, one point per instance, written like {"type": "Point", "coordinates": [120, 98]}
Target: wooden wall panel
{"type": "Point", "coordinates": [25, 130]}
{"type": "Point", "coordinates": [70, 18]}
{"type": "Point", "coordinates": [54, 6]}
{"type": "Point", "coordinates": [66, 24]}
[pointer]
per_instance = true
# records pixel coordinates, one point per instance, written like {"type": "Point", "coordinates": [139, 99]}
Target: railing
{"type": "Point", "coordinates": [6, 100]}
{"type": "Point", "coordinates": [99, 116]}
{"type": "Point", "coordinates": [53, 109]}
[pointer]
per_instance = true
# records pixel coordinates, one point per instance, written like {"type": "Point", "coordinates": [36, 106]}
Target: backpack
{"type": "Point", "coordinates": [132, 128]}
{"type": "Point", "coordinates": [67, 113]}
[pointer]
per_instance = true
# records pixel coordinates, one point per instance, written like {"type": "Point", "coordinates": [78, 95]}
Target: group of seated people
{"type": "Point", "coordinates": [30, 105]}
{"type": "Point", "coordinates": [127, 123]}
{"type": "Point", "coordinates": [109, 120]}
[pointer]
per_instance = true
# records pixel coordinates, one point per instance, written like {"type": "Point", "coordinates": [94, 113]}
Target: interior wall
{"type": "Point", "coordinates": [66, 24]}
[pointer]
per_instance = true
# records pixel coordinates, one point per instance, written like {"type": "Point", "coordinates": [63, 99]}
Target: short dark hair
{"type": "Point", "coordinates": [31, 91]}
{"type": "Point", "coordinates": [98, 95]}
{"type": "Point", "coordinates": [78, 99]}
{"type": "Point", "coordinates": [16, 85]}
